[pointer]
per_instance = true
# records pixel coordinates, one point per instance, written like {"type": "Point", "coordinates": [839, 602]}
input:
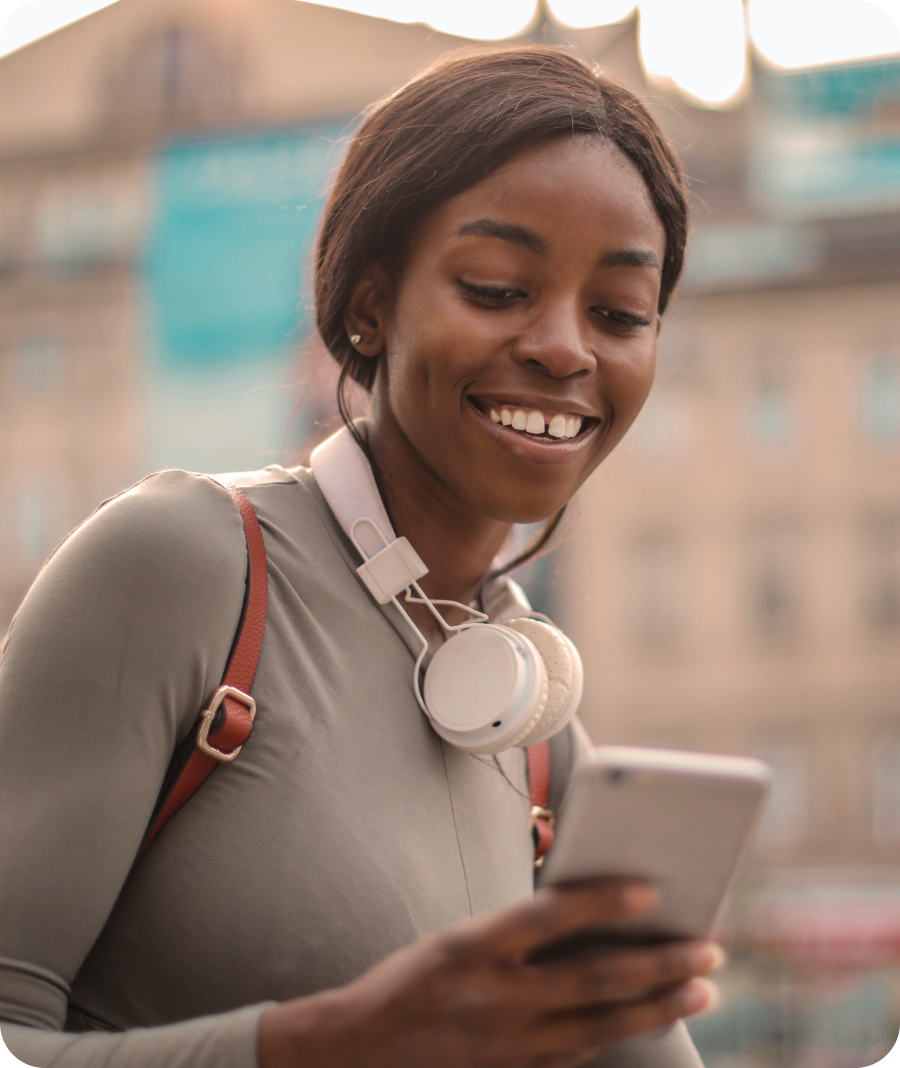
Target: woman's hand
{"type": "Point", "coordinates": [468, 996]}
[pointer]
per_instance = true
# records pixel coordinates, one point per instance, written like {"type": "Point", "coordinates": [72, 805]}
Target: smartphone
{"type": "Point", "coordinates": [680, 820]}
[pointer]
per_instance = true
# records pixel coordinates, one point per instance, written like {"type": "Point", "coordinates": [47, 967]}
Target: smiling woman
{"type": "Point", "coordinates": [357, 888]}
{"type": "Point", "coordinates": [445, 148]}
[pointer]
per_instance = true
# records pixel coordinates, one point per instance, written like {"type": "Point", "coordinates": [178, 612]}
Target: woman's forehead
{"type": "Point", "coordinates": [568, 183]}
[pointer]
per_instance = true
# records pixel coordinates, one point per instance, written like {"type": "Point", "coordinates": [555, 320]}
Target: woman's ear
{"type": "Point", "coordinates": [366, 314]}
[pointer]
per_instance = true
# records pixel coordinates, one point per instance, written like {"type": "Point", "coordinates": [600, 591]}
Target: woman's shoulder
{"type": "Point", "coordinates": [167, 521]}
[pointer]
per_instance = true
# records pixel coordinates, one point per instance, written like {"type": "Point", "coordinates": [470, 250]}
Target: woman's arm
{"type": "Point", "coordinates": [117, 646]}
{"type": "Point", "coordinates": [119, 642]}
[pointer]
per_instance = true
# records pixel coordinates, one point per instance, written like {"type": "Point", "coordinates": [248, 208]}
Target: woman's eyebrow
{"type": "Point", "coordinates": [630, 257]}
{"type": "Point", "coordinates": [511, 232]}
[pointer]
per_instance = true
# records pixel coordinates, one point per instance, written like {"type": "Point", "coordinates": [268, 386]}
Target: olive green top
{"type": "Point", "coordinates": [345, 830]}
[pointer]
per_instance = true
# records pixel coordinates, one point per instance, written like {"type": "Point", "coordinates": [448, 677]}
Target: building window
{"type": "Point", "coordinates": [40, 363]}
{"type": "Point", "coordinates": [35, 521]}
{"type": "Point", "coordinates": [659, 429]}
{"type": "Point", "coordinates": [880, 398]}
{"type": "Point", "coordinates": [770, 413]}
{"type": "Point", "coordinates": [657, 594]}
{"type": "Point", "coordinates": [175, 78]}
{"type": "Point", "coordinates": [75, 226]}
{"type": "Point", "coordinates": [881, 572]}
{"type": "Point", "coordinates": [886, 790]}
{"type": "Point", "coordinates": [773, 580]}
{"type": "Point", "coordinates": [784, 821]}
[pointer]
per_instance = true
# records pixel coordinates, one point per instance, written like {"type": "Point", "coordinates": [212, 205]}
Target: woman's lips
{"type": "Point", "coordinates": [535, 444]}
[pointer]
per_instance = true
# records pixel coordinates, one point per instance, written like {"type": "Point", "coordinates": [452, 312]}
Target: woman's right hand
{"type": "Point", "coordinates": [469, 997]}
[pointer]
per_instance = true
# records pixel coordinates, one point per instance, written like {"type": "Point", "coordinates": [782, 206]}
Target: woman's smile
{"type": "Point", "coordinates": [544, 434]}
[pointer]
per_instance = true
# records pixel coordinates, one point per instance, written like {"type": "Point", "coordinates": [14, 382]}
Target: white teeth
{"type": "Point", "coordinates": [558, 427]}
{"type": "Point", "coordinates": [534, 424]}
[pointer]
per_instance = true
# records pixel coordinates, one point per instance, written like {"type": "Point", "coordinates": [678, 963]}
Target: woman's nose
{"type": "Point", "coordinates": [555, 343]}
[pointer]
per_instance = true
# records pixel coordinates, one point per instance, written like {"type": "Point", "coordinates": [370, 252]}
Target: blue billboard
{"type": "Point", "coordinates": [826, 140]}
{"type": "Point", "coordinates": [227, 281]}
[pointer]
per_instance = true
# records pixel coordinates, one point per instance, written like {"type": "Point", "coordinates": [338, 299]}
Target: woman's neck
{"type": "Point", "coordinates": [456, 543]}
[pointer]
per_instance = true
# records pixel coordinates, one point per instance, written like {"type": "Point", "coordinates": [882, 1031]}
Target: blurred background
{"type": "Point", "coordinates": [732, 573]}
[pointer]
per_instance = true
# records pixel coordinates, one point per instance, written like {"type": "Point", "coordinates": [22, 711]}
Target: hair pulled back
{"type": "Point", "coordinates": [451, 126]}
{"type": "Point", "coordinates": [445, 130]}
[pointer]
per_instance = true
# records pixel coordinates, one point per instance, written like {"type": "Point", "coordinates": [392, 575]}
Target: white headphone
{"type": "Point", "coordinates": [491, 685]}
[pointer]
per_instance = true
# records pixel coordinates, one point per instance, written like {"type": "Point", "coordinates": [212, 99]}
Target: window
{"type": "Point", "coordinates": [75, 225]}
{"type": "Point", "coordinates": [880, 398]}
{"type": "Point", "coordinates": [784, 821]}
{"type": "Point", "coordinates": [886, 789]}
{"type": "Point", "coordinates": [658, 429]}
{"type": "Point", "coordinates": [773, 580]}
{"type": "Point", "coordinates": [34, 518]}
{"type": "Point", "coordinates": [40, 363]}
{"type": "Point", "coordinates": [770, 413]}
{"type": "Point", "coordinates": [881, 572]}
{"type": "Point", "coordinates": [656, 594]}
{"type": "Point", "coordinates": [174, 78]}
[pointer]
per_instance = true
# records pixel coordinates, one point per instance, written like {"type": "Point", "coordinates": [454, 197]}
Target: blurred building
{"type": "Point", "coordinates": [732, 576]}
{"type": "Point", "coordinates": [743, 545]}
{"type": "Point", "coordinates": [732, 572]}
{"type": "Point", "coordinates": [161, 167]}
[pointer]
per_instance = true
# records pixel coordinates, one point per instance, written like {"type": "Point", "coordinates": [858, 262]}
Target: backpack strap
{"type": "Point", "coordinates": [228, 720]}
{"type": "Point", "coordinates": [225, 725]}
{"type": "Point", "coordinates": [542, 818]}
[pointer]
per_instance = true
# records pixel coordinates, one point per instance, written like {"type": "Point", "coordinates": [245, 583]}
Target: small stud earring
{"type": "Point", "coordinates": [355, 339]}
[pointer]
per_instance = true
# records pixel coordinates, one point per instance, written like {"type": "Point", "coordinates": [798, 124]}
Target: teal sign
{"type": "Point", "coordinates": [227, 263]}
{"type": "Point", "coordinates": [827, 140]}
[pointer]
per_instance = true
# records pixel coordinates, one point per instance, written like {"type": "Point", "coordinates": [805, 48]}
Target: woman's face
{"type": "Point", "coordinates": [519, 343]}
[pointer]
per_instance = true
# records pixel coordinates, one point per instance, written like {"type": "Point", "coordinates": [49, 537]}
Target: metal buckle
{"type": "Point", "coordinates": [538, 813]}
{"type": "Point", "coordinates": [208, 714]}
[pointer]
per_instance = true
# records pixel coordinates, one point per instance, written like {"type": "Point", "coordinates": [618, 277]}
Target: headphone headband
{"type": "Point", "coordinates": [345, 478]}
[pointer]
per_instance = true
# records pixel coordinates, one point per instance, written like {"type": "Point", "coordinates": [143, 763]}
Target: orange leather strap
{"type": "Point", "coordinates": [232, 723]}
{"type": "Point", "coordinates": [539, 785]}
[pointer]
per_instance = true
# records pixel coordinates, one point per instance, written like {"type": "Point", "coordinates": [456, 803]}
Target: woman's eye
{"type": "Point", "coordinates": [494, 296]}
{"type": "Point", "coordinates": [620, 319]}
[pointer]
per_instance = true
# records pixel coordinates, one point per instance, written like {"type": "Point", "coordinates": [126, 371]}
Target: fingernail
{"type": "Point", "coordinates": [699, 995]}
{"type": "Point", "coordinates": [721, 958]}
{"type": "Point", "coordinates": [704, 958]}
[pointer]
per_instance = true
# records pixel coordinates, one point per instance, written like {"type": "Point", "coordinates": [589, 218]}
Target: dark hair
{"type": "Point", "coordinates": [445, 130]}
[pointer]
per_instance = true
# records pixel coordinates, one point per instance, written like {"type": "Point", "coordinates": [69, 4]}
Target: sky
{"type": "Point", "coordinates": [700, 45]}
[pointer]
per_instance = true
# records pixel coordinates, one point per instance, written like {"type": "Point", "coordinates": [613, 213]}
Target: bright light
{"type": "Point", "coordinates": [700, 45]}
{"type": "Point", "coordinates": [485, 20]}
{"type": "Point", "coordinates": [580, 14]}
{"type": "Point", "coordinates": [479, 19]}
{"type": "Point", "coordinates": [22, 22]}
{"type": "Point", "coordinates": [804, 33]}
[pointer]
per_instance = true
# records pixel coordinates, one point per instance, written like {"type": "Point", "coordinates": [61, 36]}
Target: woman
{"type": "Point", "coordinates": [501, 240]}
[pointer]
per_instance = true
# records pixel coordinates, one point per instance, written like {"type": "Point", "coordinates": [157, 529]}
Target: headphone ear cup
{"type": "Point", "coordinates": [486, 688]}
{"type": "Point", "coordinates": [565, 674]}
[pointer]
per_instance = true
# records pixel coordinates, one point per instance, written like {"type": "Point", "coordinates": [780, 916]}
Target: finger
{"type": "Point", "coordinates": [588, 1031]}
{"type": "Point", "coordinates": [617, 973]}
{"type": "Point", "coordinates": [559, 911]}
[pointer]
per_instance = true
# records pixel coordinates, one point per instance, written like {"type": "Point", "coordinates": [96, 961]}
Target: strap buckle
{"type": "Point", "coordinates": [539, 813]}
{"type": "Point", "coordinates": [542, 820]}
{"type": "Point", "coordinates": [208, 714]}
